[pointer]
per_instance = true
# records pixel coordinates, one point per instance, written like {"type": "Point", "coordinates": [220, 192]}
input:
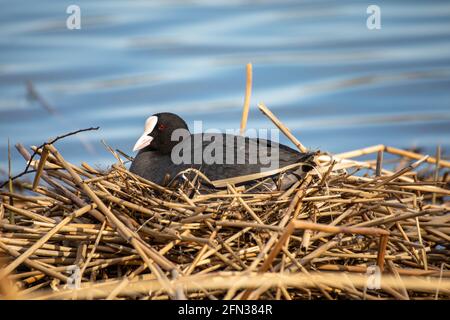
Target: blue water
{"type": "Point", "coordinates": [337, 85]}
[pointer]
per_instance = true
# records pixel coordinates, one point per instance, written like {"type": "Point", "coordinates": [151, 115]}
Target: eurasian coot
{"type": "Point", "coordinates": [167, 147]}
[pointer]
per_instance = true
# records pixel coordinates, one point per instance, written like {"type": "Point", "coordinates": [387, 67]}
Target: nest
{"type": "Point", "coordinates": [348, 230]}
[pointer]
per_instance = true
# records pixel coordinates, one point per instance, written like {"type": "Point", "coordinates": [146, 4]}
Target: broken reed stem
{"type": "Point", "coordinates": [414, 155]}
{"type": "Point", "coordinates": [436, 170]}
{"type": "Point", "coordinates": [40, 167]}
{"type": "Point", "coordinates": [379, 163]}
{"type": "Point", "coordinates": [399, 173]}
{"type": "Point", "coordinates": [282, 127]}
{"type": "Point", "coordinates": [248, 94]}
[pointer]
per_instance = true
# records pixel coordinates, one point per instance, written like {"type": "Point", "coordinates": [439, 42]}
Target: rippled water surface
{"type": "Point", "coordinates": [337, 85]}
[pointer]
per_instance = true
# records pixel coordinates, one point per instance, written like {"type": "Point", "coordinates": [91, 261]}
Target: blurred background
{"type": "Point", "coordinates": [337, 85]}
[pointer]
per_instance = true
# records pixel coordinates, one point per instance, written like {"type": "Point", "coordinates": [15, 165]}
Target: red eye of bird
{"type": "Point", "coordinates": [161, 127]}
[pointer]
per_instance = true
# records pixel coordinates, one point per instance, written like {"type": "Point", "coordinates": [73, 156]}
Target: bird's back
{"type": "Point", "coordinates": [218, 156]}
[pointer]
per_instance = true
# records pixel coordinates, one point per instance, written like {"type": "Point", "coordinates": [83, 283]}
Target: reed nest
{"type": "Point", "coordinates": [79, 233]}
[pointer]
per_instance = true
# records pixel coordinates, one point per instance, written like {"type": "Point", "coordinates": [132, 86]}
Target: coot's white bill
{"type": "Point", "coordinates": [145, 139]}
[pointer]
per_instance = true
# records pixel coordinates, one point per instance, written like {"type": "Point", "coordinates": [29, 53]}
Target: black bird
{"type": "Point", "coordinates": [167, 147]}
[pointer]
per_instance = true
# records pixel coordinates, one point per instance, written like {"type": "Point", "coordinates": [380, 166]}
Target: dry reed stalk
{"type": "Point", "coordinates": [220, 281]}
{"type": "Point", "coordinates": [436, 170]}
{"type": "Point", "coordinates": [40, 167]}
{"type": "Point", "coordinates": [248, 94]}
{"type": "Point", "coordinates": [282, 127]}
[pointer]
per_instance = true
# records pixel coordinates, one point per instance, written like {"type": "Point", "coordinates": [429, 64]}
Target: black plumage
{"type": "Point", "coordinates": [217, 155]}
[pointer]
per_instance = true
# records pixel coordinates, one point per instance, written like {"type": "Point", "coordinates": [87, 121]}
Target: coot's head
{"type": "Point", "coordinates": [158, 131]}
